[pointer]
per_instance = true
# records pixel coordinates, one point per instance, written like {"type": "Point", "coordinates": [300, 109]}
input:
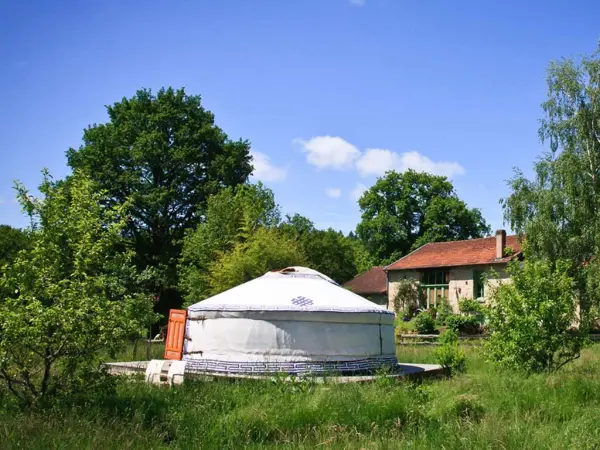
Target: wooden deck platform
{"type": "Point", "coordinates": [404, 370]}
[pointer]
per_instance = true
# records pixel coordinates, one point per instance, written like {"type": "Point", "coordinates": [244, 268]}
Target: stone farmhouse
{"type": "Point", "coordinates": [449, 271]}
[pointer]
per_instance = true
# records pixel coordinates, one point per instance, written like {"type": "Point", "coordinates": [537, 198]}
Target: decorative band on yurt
{"type": "Point", "coordinates": [292, 368]}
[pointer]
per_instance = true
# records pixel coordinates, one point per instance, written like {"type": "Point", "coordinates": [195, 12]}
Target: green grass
{"type": "Point", "coordinates": [484, 408]}
{"type": "Point", "coordinates": [401, 326]}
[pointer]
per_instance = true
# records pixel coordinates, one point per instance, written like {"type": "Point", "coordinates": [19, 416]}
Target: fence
{"type": "Point", "coordinates": [474, 339]}
{"type": "Point", "coordinates": [146, 349]}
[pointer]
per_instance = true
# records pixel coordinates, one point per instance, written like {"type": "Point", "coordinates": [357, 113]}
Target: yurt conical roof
{"type": "Point", "coordinates": [295, 320]}
{"type": "Point", "coordinates": [290, 289]}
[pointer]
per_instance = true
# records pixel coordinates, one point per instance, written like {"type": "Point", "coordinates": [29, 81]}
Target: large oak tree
{"type": "Point", "coordinates": [403, 211]}
{"type": "Point", "coordinates": [165, 154]}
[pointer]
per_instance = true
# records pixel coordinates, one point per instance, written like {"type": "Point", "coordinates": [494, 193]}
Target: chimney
{"type": "Point", "coordinates": [500, 243]}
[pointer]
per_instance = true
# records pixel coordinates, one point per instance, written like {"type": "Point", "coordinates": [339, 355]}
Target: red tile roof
{"type": "Point", "coordinates": [457, 253]}
{"type": "Point", "coordinates": [373, 281]}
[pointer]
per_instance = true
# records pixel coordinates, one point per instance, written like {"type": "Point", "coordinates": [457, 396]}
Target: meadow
{"type": "Point", "coordinates": [483, 408]}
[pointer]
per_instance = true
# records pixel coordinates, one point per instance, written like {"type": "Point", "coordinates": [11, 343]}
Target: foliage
{"type": "Point", "coordinates": [469, 306]}
{"type": "Point", "coordinates": [532, 319]}
{"type": "Point", "coordinates": [12, 240]}
{"type": "Point", "coordinates": [468, 324]}
{"type": "Point", "coordinates": [232, 217]}
{"type": "Point", "coordinates": [443, 312]}
{"type": "Point", "coordinates": [297, 226]}
{"type": "Point", "coordinates": [408, 297]}
{"type": "Point", "coordinates": [267, 249]}
{"type": "Point", "coordinates": [328, 251]}
{"type": "Point", "coordinates": [488, 408]}
{"type": "Point", "coordinates": [558, 208]}
{"type": "Point", "coordinates": [403, 211]}
{"type": "Point", "coordinates": [331, 253]}
{"type": "Point", "coordinates": [407, 311]}
{"type": "Point", "coordinates": [363, 260]}
{"type": "Point", "coordinates": [508, 251]}
{"type": "Point", "coordinates": [424, 323]}
{"type": "Point", "coordinates": [74, 295]}
{"type": "Point", "coordinates": [164, 153]}
{"type": "Point", "coordinates": [448, 354]}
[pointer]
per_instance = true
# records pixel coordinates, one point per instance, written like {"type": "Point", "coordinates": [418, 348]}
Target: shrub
{"type": "Point", "coordinates": [408, 312]}
{"type": "Point", "coordinates": [469, 306]}
{"type": "Point", "coordinates": [432, 312]}
{"type": "Point", "coordinates": [443, 312]}
{"type": "Point", "coordinates": [531, 320]}
{"type": "Point", "coordinates": [424, 323]}
{"type": "Point", "coordinates": [448, 354]}
{"type": "Point", "coordinates": [463, 324]}
{"type": "Point", "coordinates": [408, 297]}
{"type": "Point", "coordinates": [75, 297]}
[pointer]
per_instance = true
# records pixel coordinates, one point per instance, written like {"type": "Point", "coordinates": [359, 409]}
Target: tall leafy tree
{"type": "Point", "coordinates": [328, 251]}
{"type": "Point", "coordinates": [297, 225]}
{"type": "Point", "coordinates": [558, 209]}
{"type": "Point", "coordinates": [403, 211]}
{"type": "Point", "coordinates": [12, 240]}
{"type": "Point", "coordinates": [232, 216]}
{"type": "Point", "coordinates": [164, 152]}
{"type": "Point", "coordinates": [363, 261]}
{"type": "Point", "coordinates": [266, 249]}
{"type": "Point", "coordinates": [72, 296]}
{"type": "Point", "coordinates": [331, 253]}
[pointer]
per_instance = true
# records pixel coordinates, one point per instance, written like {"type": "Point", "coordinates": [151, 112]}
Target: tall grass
{"type": "Point", "coordinates": [484, 408]}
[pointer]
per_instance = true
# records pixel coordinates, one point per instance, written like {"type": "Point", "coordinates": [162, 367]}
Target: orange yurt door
{"type": "Point", "coordinates": [175, 334]}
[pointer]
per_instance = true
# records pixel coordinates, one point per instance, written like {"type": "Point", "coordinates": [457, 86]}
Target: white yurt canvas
{"type": "Point", "coordinates": [295, 320]}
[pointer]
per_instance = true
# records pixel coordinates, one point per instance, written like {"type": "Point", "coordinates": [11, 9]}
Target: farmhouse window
{"type": "Point", "coordinates": [435, 286]}
{"type": "Point", "coordinates": [478, 284]}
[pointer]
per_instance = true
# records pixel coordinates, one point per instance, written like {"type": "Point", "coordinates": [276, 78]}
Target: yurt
{"type": "Point", "coordinates": [294, 320]}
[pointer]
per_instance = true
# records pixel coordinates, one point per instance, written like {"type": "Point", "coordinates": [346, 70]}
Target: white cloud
{"type": "Point", "coordinates": [376, 161]}
{"type": "Point", "coordinates": [357, 2]}
{"type": "Point", "coordinates": [329, 152]}
{"type": "Point", "coordinates": [333, 192]}
{"type": "Point", "coordinates": [358, 191]}
{"type": "Point", "coordinates": [264, 170]}
{"type": "Point", "coordinates": [420, 163]}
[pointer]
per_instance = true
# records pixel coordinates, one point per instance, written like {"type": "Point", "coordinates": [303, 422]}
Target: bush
{"type": "Point", "coordinates": [443, 312]}
{"type": "Point", "coordinates": [448, 355]}
{"type": "Point", "coordinates": [424, 323]}
{"type": "Point", "coordinates": [408, 297]}
{"type": "Point", "coordinates": [408, 312]}
{"type": "Point", "coordinates": [469, 306]}
{"type": "Point", "coordinates": [463, 324]}
{"type": "Point", "coordinates": [75, 296]}
{"type": "Point", "coordinates": [532, 319]}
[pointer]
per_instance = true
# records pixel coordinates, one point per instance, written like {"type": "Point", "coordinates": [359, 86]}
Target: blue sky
{"type": "Point", "coordinates": [329, 92]}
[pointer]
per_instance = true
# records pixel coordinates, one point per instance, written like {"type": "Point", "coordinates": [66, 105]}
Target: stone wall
{"type": "Point", "coordinates": [460, 286]}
